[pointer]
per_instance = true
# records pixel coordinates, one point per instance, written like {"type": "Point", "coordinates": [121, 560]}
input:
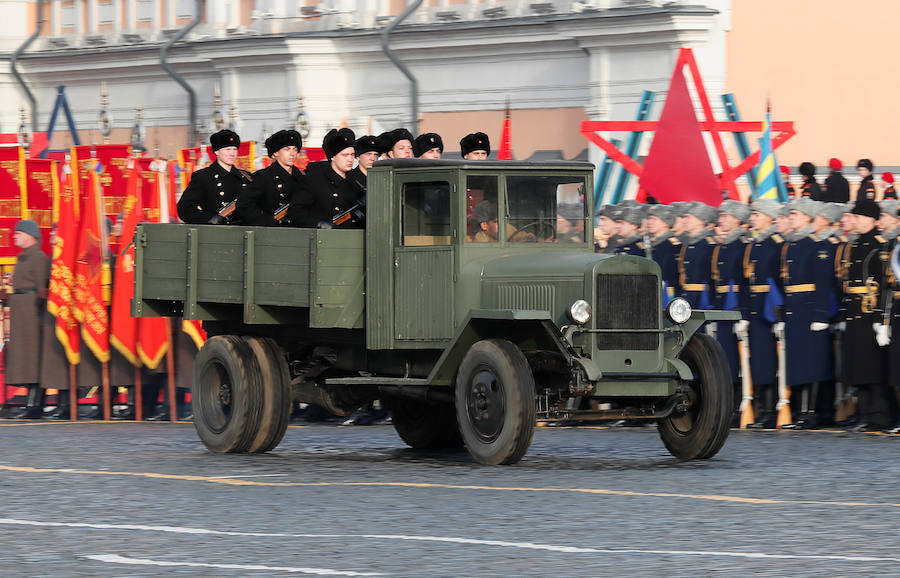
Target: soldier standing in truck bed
{"type": "Point", "coordinates": [332, 192]}
{"type": "Point", "coordinates": [274, 186]}
{"type": "Point", "coordinates": [212, 188]}
{"type": "Point", "coordinates": [367, 149]}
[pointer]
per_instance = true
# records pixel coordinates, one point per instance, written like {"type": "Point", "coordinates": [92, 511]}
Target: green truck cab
{"type": "Point", "coordinates": [473, 332]}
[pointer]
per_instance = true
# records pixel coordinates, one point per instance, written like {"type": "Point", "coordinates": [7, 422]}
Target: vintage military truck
{"type": "Point", "coordinates": [472, 331]}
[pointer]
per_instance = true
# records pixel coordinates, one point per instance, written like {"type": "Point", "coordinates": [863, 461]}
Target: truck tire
{"type": "Point", "coordinates": [495, 402]}
{"type": "Point", "coordinates": [276, 385]}
{"type": "Point", "coordinates": [700, 432]}
{"type": "Point", "coordinates": [425, 426]}
{"type": "Point", "coordinates": [228, 395]}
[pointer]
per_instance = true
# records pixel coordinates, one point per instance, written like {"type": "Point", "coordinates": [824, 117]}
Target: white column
{"type": "Point", "coordinates": [93, 16]}
{"type": "Point", "coordinates": [56, 17]}
{"type": "Point", "coordinates": [130, 12]}
{"type": "Point", "coordinates": [170, 13]}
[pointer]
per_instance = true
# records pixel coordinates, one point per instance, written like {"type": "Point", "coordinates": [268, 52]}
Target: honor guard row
{"type": "Point", "coordinates": [328, 193]}
{"type": "Point", "coordinates": [815, 283]}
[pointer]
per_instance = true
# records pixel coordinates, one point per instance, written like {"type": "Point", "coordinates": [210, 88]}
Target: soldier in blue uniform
{"type": "Point", "coordinates": [664, 246]}
{"type": "Point", "coordinates": [726, 275]}
{"type": "Point", "coordinates": [606, 222]}
{"type": "Point", "coordinates": [679, 210]}
{"type": "Point", "coordinates": [806, 275]}
{"type": "Point", "coordinates": [695, 257]}
{"type": "Point", "coordinates": [760, 272]}
{"type": "Point", "coordinates": [628, 226]}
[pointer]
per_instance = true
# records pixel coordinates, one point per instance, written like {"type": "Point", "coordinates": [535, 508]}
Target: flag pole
{"type": "Point", "coordinates": [73, 392]}
{"type": "Point", "coordinates": [170, 371]}
{"type": "Point", "coordinates": [138, 395]}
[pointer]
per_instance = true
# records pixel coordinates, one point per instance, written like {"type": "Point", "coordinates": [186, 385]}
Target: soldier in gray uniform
{"type": "Point", "coordinates": [27, 306]}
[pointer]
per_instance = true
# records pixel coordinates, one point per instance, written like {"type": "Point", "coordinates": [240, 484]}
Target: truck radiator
{"type": "Point", "coordinates": [627, 302]}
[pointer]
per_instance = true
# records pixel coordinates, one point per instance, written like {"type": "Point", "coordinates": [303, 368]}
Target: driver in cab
{"type": "Point", "coordinates": [486, 214]}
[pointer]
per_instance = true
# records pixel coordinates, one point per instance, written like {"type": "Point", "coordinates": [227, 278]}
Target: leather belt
{"type": "Point", "coordinates": [24, 291]}
{"type": "Point", "coordinates": [727, 288]}
{"type": "Point", "coordinates": [801, 288]}
{"type": "Point", "coordinates": [759, 288]}
{"type": "Point", "coordinates": [694, 286]}
{"type": "Point", "coordinates": [858, 290]}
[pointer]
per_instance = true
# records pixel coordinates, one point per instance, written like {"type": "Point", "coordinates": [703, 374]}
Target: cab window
{"type": "Point", "coordinates": [545, 209]}
{"type": "Point", "coordinates": [426, 213]}
{"type": "Point", "coordinates": [481, 208]}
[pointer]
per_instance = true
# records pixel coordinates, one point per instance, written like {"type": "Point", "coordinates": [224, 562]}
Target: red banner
{"type": "Point", "coordinates": [113, 179]}
{"type": "Point", "coordinates": [194, 158]}
{"type": "Point", "coordinates": [62, 271]}
{"type": "Point", "coordinates": [13, 199]}
{"type": "Point", "coordinates": [194, 328]}
{"type": "Point", "coordinates": [92, 272]}
{"type": "Point", "coordinates": [42, 183]}
{"type": "Point", "coordinates": [152, 338]}
{"type": "Point", "coordinates": [123, 327]}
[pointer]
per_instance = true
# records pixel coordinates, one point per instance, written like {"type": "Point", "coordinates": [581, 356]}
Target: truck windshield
{"type": "Point", "coordinates": [545, 209]}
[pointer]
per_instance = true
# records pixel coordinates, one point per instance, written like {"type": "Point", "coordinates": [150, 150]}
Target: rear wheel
{"type": "Point", "coordinates": [423, 426]}
{"type": "Point", "coordinates": [701, 431]}
{"type": "Point", "coordinates": [228, 395]}
{"type": "Point", "coordinates": [276, 385]}
{"type": "Point", "coordinates": [495, 402]}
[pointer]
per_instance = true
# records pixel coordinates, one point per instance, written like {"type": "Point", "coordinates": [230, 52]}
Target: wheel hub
{"type": "Point", "coordinates": [486, 405]}
{"type": "Point", "coordinates": [225, 394]}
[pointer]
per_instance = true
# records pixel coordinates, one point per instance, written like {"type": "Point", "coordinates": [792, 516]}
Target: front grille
{"type": "Point", "coordinates": [627, 302]}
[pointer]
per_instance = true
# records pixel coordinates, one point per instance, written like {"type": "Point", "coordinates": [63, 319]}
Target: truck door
{"type": "Point", "coordinates": [423, 262]}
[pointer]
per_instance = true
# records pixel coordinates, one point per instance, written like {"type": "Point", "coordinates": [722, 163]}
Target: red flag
{"type": "Point", "coordinates": [195, 330]}
{"type": "Point", "coordinates": [13, 199]}
{"type": "Point", "coordinates": [42, 183]}
{"type": "Point", "coordinates": [152, 337]}
{"type": "Point", "coordinates": [62, 271]}
{"type": "Point", "coordinates": [504, 153]}
{"type": "Point", "coordinates": [123, 333]}
{"type": "Point", "coordinates": [92, 271]}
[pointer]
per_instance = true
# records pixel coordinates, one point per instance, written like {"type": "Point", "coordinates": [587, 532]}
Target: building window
{"type": "Point", "coordinates": [69, 16]}
{"type": "Point", "coordinates": [184, 9]}
{"type": "Point", "coordinates": [146, 10]}
{"type": "Point", "coordinates": [106, 13]}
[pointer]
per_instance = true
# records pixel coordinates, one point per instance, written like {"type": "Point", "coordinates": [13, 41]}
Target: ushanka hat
{"type": "Point", "coordinates": [426, 142]}
{"type": "Point", "coordinates": [337, 140]}
{"type": "Point", "coordinates": [476, 141]}
{"type": "Point", "coordinates": [735, 209]}
{"type": "Point", "coordinates": [224, 138]}
{"type": "Point", "coordinates": [281, 139]}
{"type": "Point", "coordinates": [29, 227]}
{"type": "Point", "coordinates": [367, 144]}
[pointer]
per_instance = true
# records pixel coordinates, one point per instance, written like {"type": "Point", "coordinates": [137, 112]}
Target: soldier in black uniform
{"type": "Point", "coordinates": [332, 192]}
{"type": "Point", "coordinates": [428, 146]}
{"type": "Point", "coordinates": [475, 146]}
{"type": "Point", "coordinates": [866, 188]}
{"type": "Point", "coordinates": [893, 294]}
{"type": "Point", "coordinates": [367, 149]}
{"type": "Point", "coordinates": [810, 187]}
{"type": "Point", "coordinates": [397, 144]}
{"type": "Point", "coordinates": [275, 186]}
{"type": "Point", "coordinates": [866, 336]}
{"type": "Point", "coordinates": [213, 187]}
{"type": "Point", "coordinates": [890, 193]}
{"type": "Point", "coordinates": [837, 189]}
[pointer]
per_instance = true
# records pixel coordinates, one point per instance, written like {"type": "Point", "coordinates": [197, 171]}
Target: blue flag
{"type": "Point", "coordinates": [773, 301]}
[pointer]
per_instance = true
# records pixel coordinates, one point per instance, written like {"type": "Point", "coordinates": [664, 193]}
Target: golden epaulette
{"type": "Point", "coordinates": [674, 241]}
{"type": "Point", "coordinates": [843, 238]}
{"type": "Point", "coordinates": [777, 238]}
{"type": "Point", "coordinates": [834, 240]}
{"type": "Point", "coordinates": [880, 239]}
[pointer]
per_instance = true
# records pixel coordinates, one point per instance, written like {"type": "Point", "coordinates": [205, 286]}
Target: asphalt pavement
{"type": "Point", "coordinates": [147, 499]}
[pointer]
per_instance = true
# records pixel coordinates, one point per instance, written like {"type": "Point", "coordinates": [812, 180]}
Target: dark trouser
{"type": "Point", "coordinates": [873, 405]}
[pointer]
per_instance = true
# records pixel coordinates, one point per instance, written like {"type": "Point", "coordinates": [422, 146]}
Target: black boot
{"type": "Point", "coordinates": [34, 403]}
{"type": "Point", "coordinates": [128, 412]}
{"type": "Point", "coordinates": [62, 407]}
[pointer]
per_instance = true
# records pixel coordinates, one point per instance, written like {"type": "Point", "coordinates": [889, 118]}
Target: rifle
{"type": "Point", "coordinates": [281, 211]}
{"type": "Point", "coordinates": [746, 408]}
{"type": "Point", "coordinates": [357, 212]}
{"type": "Point", "coordinates": [228, 210]}
{"type": "Point", "coordinates": [783, 407]}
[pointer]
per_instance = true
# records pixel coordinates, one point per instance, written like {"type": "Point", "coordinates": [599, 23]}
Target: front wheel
{"type": "Point", "coordinates": [495, 402]}
{"type": "Point", "coordinates": [700, 432]}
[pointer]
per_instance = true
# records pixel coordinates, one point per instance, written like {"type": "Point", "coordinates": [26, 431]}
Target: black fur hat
{"type": "Point", "coordinates": [426, 142]}
{"type": "Point", "coordinates": [366, 144]}
{"type": "Point", "coordinates": [865, 163]}
{"type": "Point", "coordinates": [337, 140]}
{"type": "Point", "coordinates": [476, 141]}
{"type": "Point", "coordinates": [807, 169]}
{"type": "Point", "coordinates": [281, 139]}
{"type": "Point", "coordinates": [393, 137]}
{"type": "Point", "coordinates": [224, 138]}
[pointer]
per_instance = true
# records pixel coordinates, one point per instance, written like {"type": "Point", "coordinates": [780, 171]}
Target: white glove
{"type": "Point", "coordinates": [740, 328]}
{"type": "Point", "coordinates": [778, 329]}
{"type": "Point", "coordinates": [882, 334]}
{"type": "Point", "coordinates": [711, 329]}
{"type": "Point", "coordinates": [817, 326]}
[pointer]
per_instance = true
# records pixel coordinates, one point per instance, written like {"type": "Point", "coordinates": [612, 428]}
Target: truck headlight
{"type": "Point", "coordinates": [579, 312]}
{"type": "Point", "coordinates": [678, 310]}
